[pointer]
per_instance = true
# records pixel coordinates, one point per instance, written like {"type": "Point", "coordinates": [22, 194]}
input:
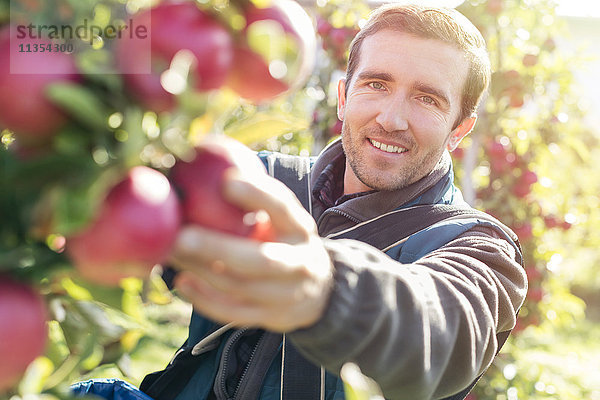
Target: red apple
{"type": "Point", "coordinates": [529, 60]}
{"type": "Point", "coordinates": [533, 274]}
{"type": "Point", "coordinates": [200, 184]}
{"type": "Point", "coordinates": [535, 294]}
{"type": "Point", "coordinates": [323, 26]}
{"type": "Point", "coordinates": [458, 153]}
{"type": "Point", "coordinates": [134, 230]}
{"type": "Point", "coordinates": [24, 106]}
{"type": "Point", "coordinates": [339, 37]}
{"type": "Point", "coordinates": [497, 150]}
{"type": "Point", "coordinates": [23, 333]}
{"type": "Point", "coordinates": [551, 221]}
{"type": "Point", "coordinates": [259, 79]}
{"type": "Point", "coordinates": [516, 99]}
{"type": "Point", "coordinates": [521, 189]}
{"type": "Point", "coordinates": [250, 77]}
{"type": "Point", "coordinates": [494, 7]}
{"type": "Point", "coordinates": [529, 177]}
{"type": "Point", "coordinates": [549, 44]}
{"type": "Point", "coordinates": [523, 231]}
{"type": "Point", "coordinates": [174, 27]}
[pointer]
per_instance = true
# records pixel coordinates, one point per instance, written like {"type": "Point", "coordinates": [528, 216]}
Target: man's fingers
{"type": "Point", "coordinates": [244, 258]}
{"type": "Point", "coordinates": [285, 211]}
{"type": "Point", "coordinates": [220, 306]}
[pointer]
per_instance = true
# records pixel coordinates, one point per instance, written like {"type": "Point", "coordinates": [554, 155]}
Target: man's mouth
{"type": "Point", "coordinates": [388, 148]}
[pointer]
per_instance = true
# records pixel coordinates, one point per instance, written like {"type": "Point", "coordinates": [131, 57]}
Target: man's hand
{"type": "Point", "coordinates": [279, 286]}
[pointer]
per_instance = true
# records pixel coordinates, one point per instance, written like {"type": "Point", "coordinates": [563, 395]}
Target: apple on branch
{"type": "Point", "coordinates": [199, 182]}
{"type": "Point", "coordinates": [23, 334]}
{"type": "Point", "coordinates": [134, 230]}
{"type": "Point", "coordinates": [174, 27]}
{"type": "Point", "coordinates": [275, 53]}
{"type": "Point", "coordinates": [24, 106]}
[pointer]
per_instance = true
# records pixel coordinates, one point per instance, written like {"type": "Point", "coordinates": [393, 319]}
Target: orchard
{"type": "Point", "coordinates": [100, 168]}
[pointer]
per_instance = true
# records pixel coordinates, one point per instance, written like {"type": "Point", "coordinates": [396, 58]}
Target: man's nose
{"type": "Point", "coordinates": [393, 115]}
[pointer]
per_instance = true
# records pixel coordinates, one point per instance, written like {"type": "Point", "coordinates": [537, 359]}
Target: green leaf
{"type": "Point", "coordinates": [264, 125]}
{"type": "Point", "coordinates": [96, 316]}
{"type": "Point", "coordinates": [37, 372]}
{"type": "Point", "coordinates": [80, 102]}
{"type": "Point", "coordinates": [110, 296]}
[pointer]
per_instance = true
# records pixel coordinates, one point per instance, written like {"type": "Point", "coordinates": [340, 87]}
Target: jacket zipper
{"type": "Point", "coordinates": [225, 360]}
{"type": "Point", "coordinates": [336, 211]}
{"type": "Point", "coordinates": [237, 388]}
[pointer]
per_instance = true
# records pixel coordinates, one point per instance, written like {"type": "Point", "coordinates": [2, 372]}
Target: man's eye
{"type": "Point", "coordinates": [428, 100]}
{"type": "Point", "coordinates": [376, 85]}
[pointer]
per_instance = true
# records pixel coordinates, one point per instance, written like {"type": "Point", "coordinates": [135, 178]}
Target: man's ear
{"type": "Point", "coordinates": [461, 131]}
{"type": "Point", "coordinates": [341, 99]}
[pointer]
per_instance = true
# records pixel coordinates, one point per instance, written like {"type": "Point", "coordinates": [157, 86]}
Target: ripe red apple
{"type": "Point", "coordinates": [516, 98]}
{"type": "Point", "coordinates": [24, 106]}
{"type": "Point", "coordinates": [523, 231]}
{"type": "Point", "coordinates": [521, 190]}
{"type": "Point", "coordinates": [323, 26]}
{"type": "Point", "coordinates": [529, 60]}
{"type": "Point", "coordinates": [250, 77]}
{"type": "Point", "coordinates": [529, 177]}
{"type": "Point", "coordinates": [200, 184]}
{"type": "Point", "coordinates": [496, 149]}
{"type": "Point", "coordinates": [533, 274]}
{"type": "Point", "coordinates": [549, 44]}
{"type": "Point", "coordinates": [535, 294]}
{"type": "Point", "coordinates": [174, 27]}
{"type": "Point", "coordinates": [135, 229]}
{"type": "Point", "coordinates": [551, 221]}
{"type": "Point", "coordinates": [23, 330]}
{"type": "Point", "coordinates": [259, 79]}
{"type": "Point", "coordinates": [494, 7]}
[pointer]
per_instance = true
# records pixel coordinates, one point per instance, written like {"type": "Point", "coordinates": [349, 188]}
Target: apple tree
{"type": "Point", "coordinates": [101, 106]}
{"type": "Point", "coordinates": [522, 164]}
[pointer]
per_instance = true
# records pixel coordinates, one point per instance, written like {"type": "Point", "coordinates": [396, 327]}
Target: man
{"type": "Point", "coordinates": [425, 316]}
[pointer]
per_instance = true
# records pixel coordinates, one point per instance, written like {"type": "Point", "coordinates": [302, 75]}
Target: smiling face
{"type": "Point", "coordinates": [400, 109]}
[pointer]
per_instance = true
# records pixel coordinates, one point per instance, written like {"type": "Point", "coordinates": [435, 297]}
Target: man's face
{"type": "Point", "coordinates": [400, 108]}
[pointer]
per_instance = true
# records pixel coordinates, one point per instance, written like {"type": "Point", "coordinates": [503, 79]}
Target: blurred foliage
{"type": "Point", "coordinates": [530, 162]}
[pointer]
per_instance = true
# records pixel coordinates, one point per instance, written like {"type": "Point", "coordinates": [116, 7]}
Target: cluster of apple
{"type": "Point", "coordinates": [137, 220]}
{"type": "Point", "coordinates": [512, 171]}
{"type": "Point", "coordinates": [23, 334]}
{"type": "Point", "coordinates": [223, 56]}
{"type": "Point", "coordinates": [133, 230]}
{"type": "Point", "coordinates": [335, 40]}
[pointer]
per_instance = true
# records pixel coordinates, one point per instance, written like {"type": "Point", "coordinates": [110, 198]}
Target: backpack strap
{"type": "Point", "coordinates": [300, 378]}
{"type": "Point", "coordinates": [396, 227]}
{"type": "Point", "coordinates": [293, 171]}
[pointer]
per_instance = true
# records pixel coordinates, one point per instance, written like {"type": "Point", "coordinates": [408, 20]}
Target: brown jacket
{"type": "Point", "coordinates": [423, 330]}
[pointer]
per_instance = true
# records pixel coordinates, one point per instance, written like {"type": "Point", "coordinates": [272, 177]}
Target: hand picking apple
{"type": "Point", "coordinates": [279, 285]}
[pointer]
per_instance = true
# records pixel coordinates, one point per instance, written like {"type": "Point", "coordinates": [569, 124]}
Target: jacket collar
{"type": "Point", "coordinates": [328, 171]}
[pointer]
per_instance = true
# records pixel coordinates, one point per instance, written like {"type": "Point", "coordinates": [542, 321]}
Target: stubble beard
{"type": "Point", "coordinates": [410, 173]}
